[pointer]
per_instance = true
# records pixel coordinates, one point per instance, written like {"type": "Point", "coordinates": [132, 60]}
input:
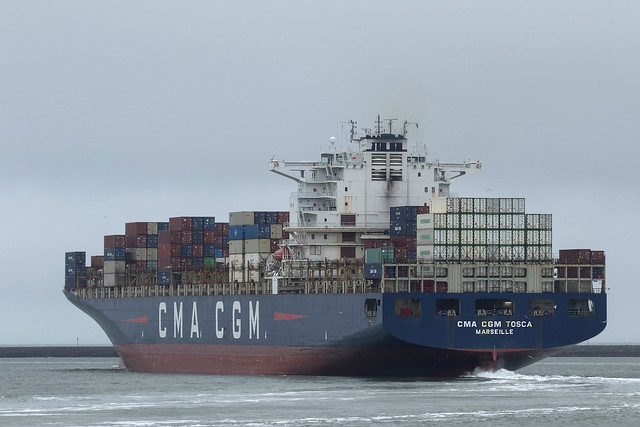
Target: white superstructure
{"type": "Point", "coordinates": [344, 198]}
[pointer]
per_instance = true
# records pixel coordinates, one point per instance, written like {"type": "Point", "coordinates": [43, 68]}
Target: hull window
{"type": "Point", "coordinates": [407, 307]}
{"type": "Point", "coordinates": [581, 307]}
{"type": "Point", "coordinates": [494, 307]}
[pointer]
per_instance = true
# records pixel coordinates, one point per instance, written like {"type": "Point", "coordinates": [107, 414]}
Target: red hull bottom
{"type": "Point", "coordinates": [269, 360]}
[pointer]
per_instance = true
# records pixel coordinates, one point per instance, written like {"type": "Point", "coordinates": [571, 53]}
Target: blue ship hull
{"type": "Point", "coordinates": [338, 334]}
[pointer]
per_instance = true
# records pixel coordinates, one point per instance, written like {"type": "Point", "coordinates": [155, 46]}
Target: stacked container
{"type": "Point", "coordinates": [489, 230]}
{"type": "Point", "coordinates": [403, 229]}
{"type": "Point", "coordinates": [252, 237]}
{"type": "Point", "coordinates": [424, 237]}
{"type": "Point", "coordinates": [74, 270]}
{"type": "Point", "coordinates": [114, 260]}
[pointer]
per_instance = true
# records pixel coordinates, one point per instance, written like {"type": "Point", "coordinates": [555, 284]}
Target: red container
{"type": "Point", "coordinates": [423, 210]}
{"type": "Point", "coordinates": [135, 228]}
{"type": "Point", "coordinates": [176, 236]}
{"type": "Point", "coordinates": [209, 236]}
{"type": "Point", "coordinates": [575, 256]}
{"type": "Point", "coordinates": [164, 263]}
{"type": "Point", "coordinates": [198, 250]}
{"type": "Point", "coordinates": [97, 261]}
{"type": "Point", "coordinates": [164, 250]}
{"type": "Point", "coordinates": [187, 237]}
{"type": "Point", "coordinates": [175, 249]}
{"type": "Point", "coordinates": [274, 245]}
{"type": "Point", "coordinates": [222, 228]}
{"type": "Point", "coordinates": [181, 223]}
{"type": "Point", "coordinates": [225, 253]}
{"type": "Point", "coordinates": [283, 217]}
{"type": "Point", "coordinates": [115, 241]}
{"type": "Point", "coordinates": [164, 236]}
{"type": "Point", "coordinates": [597, 257]}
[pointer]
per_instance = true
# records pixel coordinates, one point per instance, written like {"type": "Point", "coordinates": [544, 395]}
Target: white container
{"type": "Point", "coordinates": [114, 280]}
{"type": "Point", "coordinates": [425, 221]}
{"type": "Point", "coordinates": [453, 237]}
{"type": "Point", "coordinates": [533, 237]}
{"type": "Point", "coordinates": [480, 253]}
{"type": "Point", "coordinates": [276, 231]}
{"type": "Point", "coordinates": [518, 237]}
{"type": "Point", "coordinates": [466, 221]}
{"type": "Point", "coordinates": [152, 254]}
{"type": "Point", "coordinates": [506, 237]}
{"type": "Point", "coordinates": [506, 206]}
{"type": "Point", "coordinates": [453, 221]}
{"type": "Point", "coordinates": [424, 252]}
{"type": "Point", "coordinates": [480, 237]}
{"type": "Point", "coordinates": [466, 253]}
{"type": "Point", "coordinates": [506, 253]}
{"type": "Point", "coordinates": [438, 205]}
{"type": "Point", "coordinates": [518, 206]}
{"type": "Point", "coordinates": [440, 237]}
{"type": "Point", "coordinates": [236, 247]}
{"type": "Point", "coordinates": [493, 237]}
{"type": "Point", "coordinates": [466, 204]}
{"type": "Point", "coordinates": [533, 221]}
{"type": "Point", "coordinates": [480, 205]}
{"type": "Point", "coordinates": [241, 218]}
{"type": "Point", "coordinates": [519, 221]}
{"type": "Point", "coordinates": [114, 267]}
{"type": "Point", "coordinates": [453, 253]}
{"type": "Point", "coordinates": [425, 237]}
{"type": "Point", "coordinates": [493, 222]}
{"type": "Point", "coordinates": [466, 237]}
{"type": "Point", "coordinates": [257, 246]}
{"type": "Point", "coordinates": [506, 221]}
{"type": "Point", "coordinates": [152, 228]}
{"type": "Point", "coordinates": [440, 220]}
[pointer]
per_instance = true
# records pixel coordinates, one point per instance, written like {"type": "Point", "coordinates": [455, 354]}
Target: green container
{"type": "Point", "coordinates": [209, 261]}
{"type": "Point", "coordinates": [388, 255]}
{"type": "Point", "coordinates": [373, 256]}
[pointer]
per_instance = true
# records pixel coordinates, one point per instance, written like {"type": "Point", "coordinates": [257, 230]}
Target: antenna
{"type": "Point", "coordinates": [390, 125]}
{"type": "Point", "coordinates": [353, 129]}
{"type": "Point", "coordinates": [404, 127]}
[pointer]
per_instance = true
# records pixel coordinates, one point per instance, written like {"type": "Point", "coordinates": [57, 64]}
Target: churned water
{"type": "Point", "coordinates": [94, 392]}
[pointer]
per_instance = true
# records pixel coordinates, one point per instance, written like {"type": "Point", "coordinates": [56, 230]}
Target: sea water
{"type": "Point", "coordinates": [95, 392]}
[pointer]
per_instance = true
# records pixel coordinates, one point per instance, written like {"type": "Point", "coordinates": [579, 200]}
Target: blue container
{"type": "Point", "coordinates": [236, 232]}
{"type": "Point", "coordinates": [225, 242]}
{"type": "Point", "coordinates": [403, 213]}
{"type": "Point", "coordinates": [163, 226]}
{"type": "Point", "coordinates": [251, 232]}
{"type": "Point", "coordinates": [272, 218]}
{"type": "Point", "coordinates": [186, 251]}
{"type": "Point", "coordinates": [209, 250]}
{"type": "Point", "coordinates": [75, 258]}
{"type": "Point", "coordinates": [373, 271]}
{"type": "Point", "coordinates": [259, 218]}
{"type": "Point", "coordinates": [164, 277]}
{"type": "Point", "coordinates": [219, 253]}
{"type": "Point", "coordinates": [114, 254]}
{"type": "Point", "coordinates": [152, 265]}
{"type": "Point", "coordinates": [152, 240]}
{"type": "Point", "coordinates": [209, 223]}
{"type": "Point", "coordinates": [75, 270]}
{"type": "Point", "coordinates": [264, 231]}
{"type": "Point", "coordinates": [197, 236]}
{"type": "Point", "coordinates": [197, 261]}
{"type": "Point", "coordinates": [412, 255]}
{"type": "Point", "coordinates": [197, 223]}
{"type": "Point", "coordinates": [403, 228]}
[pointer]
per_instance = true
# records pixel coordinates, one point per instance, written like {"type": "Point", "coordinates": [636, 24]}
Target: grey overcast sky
{"type": "Point", "coordinates": [120, 111]}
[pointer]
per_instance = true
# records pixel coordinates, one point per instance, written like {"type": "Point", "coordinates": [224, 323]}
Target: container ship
{"type": "Point", "coordinates": [375, 269]}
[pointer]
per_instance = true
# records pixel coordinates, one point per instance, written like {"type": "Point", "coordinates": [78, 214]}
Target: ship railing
{"type": "Point", "coordinates": [314, 194]}
{"type": "Point", "coordinates": [317, 224]}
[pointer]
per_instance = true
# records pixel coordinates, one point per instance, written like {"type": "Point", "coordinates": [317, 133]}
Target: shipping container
{"type": "Point", "coordinates": [198, 250]}
{"type": "Point", "coordinates": [164, 237]}
{"type": "Point", "coordinates": [439, 221]}
{"type": "Point", "coordinates": [209, 223]}
{"type": "Point", "coordinates": [97, 261]}
{"type": "Point", "coordinates": [134, 228]}
{"type": "Point", "coordinates": [236, 232]}
{"type": "Point", "coordinates": [114, 254]}
{"type": "Point", "coordinates": [479, 221]}
{"type": "Point", "coordinates": [115, 241]}
{"type": "Point", "coordinates": [424, 221]}
{"type": "Point", "coordinates": [152, 228]}
{"type": "Point", "coordinates": [152, 240]}
{"type": "Point", "coordinates": [276, 231]}
{"type": "Point", "coordinates": [197, 223]}
{"type": "Point", "coordinates": [114, 267]}
{"type": "Point", "coordinates": [241, 218]}
{"type": "Point", "coordinates": [181, 223]}
{"type": "Point", "coordinates": [257, 246]}
{"type": "Point", "coordinates": [480, 237]}
{"type": "Point", "coordinates": [163, 226]}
